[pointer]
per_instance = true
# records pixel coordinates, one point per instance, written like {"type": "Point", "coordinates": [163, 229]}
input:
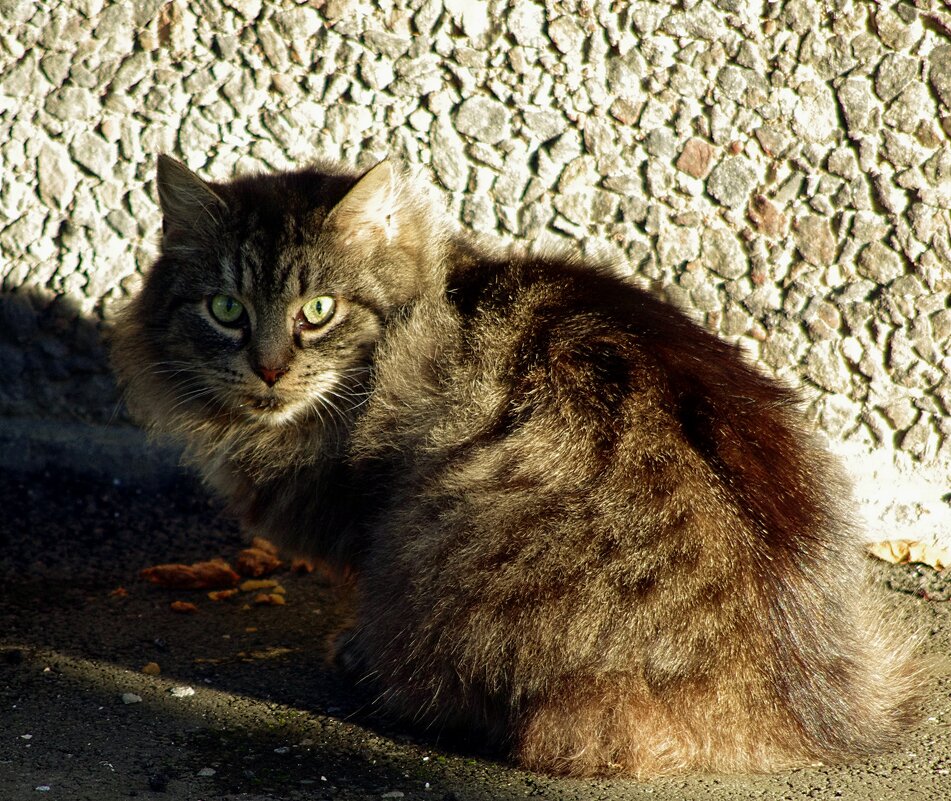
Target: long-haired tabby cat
{"type": "Point", "coordinates": [580, 525]}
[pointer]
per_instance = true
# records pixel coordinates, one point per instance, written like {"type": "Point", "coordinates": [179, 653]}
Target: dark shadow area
{"type": "Point", "coordinates": [74, 535]}
{"type": "Point", "coordinates": [76, 616]}
{"type": "Point", "coordinates": [55, 359]}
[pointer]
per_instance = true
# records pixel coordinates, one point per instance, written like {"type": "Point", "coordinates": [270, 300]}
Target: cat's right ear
{"type": "Point", "coordinates": [189, 205]}
{"type": "Point", "coordinates": [369, 212]}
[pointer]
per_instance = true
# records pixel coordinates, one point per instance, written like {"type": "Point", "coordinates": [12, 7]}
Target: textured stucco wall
{"type": "Point", "coordinates": [782, 168]}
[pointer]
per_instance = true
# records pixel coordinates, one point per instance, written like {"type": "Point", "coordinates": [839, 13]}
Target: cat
{"type": "Point", "coordinates": [580, 526]}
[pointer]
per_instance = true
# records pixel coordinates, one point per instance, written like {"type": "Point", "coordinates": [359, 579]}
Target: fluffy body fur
{"type": "Point", "coordinates": [581, 526]}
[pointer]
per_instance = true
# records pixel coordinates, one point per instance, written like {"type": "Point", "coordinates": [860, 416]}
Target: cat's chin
{"type": "Point", "coordinates": [271, 413]}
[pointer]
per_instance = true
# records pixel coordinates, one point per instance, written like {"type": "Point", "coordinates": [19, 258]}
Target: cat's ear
{"type": "Point", "coordinates": [369, 212]}
{"type": "Point", "coordinates": [188, 203]}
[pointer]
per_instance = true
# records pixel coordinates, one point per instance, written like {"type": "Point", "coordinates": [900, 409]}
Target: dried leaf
{"type": "Point", "coordinates": [269, 599]}
{"type": "Point", "coordinates": [270, 652]}
{"type": "Point", "coordinates": [900, 552]}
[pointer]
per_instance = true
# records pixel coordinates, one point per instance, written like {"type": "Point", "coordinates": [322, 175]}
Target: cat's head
{"type": "Point", "coordinates": [269, 296]}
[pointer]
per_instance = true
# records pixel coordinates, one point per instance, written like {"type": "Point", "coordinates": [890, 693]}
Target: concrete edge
{"type": "Point", "coordinates": [892, 500]}
{"type": "Point", "coordinates": [110, 454]}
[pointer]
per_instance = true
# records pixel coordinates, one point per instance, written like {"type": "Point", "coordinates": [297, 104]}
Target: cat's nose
{"type": "Point", "coordinates": [270, 375]}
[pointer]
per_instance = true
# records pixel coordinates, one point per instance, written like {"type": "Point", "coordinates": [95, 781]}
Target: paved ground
{"type": "Point", "coordinates": [263, 716]}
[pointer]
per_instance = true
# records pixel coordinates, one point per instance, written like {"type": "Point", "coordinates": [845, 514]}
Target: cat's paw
{"type": "Point", "coordinates": [345, 656]}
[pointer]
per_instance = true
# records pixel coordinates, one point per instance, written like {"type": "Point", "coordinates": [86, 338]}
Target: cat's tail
{"type": "Point", "coordinates": [858, 697]}
{"type": "Point", "coordinates": [875, 694]}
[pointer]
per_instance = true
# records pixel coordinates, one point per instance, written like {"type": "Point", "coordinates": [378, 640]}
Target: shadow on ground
{"type": "Point", "coordinates": [246, 705]}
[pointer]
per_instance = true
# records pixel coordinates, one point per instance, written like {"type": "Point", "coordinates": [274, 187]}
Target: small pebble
{"type": "Point", "coordinates": [131, 698]}
{"type": "Point", "coordinates": [151, 669]}
{"type": "Point", "coordinates": [158, 782]}
{"type": "Point", "coordinates": [282, 750]}
{"type": "Point", "coordinates": [181, 692]}
{"type": "Point", "coordinates": [207, 772]}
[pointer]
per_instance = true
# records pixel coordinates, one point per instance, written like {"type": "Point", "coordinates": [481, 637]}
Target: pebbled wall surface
{"type": "Point", "coordinates": [781, 168]}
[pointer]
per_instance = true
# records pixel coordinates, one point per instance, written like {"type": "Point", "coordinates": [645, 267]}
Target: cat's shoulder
{"type": "Point", "coordinates": [566, 312]}
{"type": "Point", "coordinates": [486, 278]}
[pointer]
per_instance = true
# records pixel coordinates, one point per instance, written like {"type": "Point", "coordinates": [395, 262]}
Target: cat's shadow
{"type": "Point", "coordinates": [70, 543]}
{"type": "Point", "coordinates": [55, 359]}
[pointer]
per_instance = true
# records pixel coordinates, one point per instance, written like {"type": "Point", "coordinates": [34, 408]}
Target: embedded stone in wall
{"type": "Point", "coordinates": [880, 263]}
{"type": "Point", "coordinates": [695, 158]}
{"type": "Point", "coordinates": [814, 240]}
{"type": "Point", "coordinates": [731, 181]}
{"type": "Point", "coordinates": [722, 253]}
{"type": "Point", "coordinates": [899, 27]}
{"type": "Point", "coordinates": [858, 104]}
{"type": "Point", "coordinates": [484, 119]}
{"type": "Point", "coordinates": [816, 117]}
{"type": "Point", "coordinates": [826, 367]}
{"type": "Point", "coordinates": [448, 155]}
{"type": "Point", "coordinates": [566, 34]}
{"type": "Point", "coordinates": [526, 22]}
{"type": "Point", "coordinates": [56, 175]}
{"type": "Point", "coordinates": [894, 74]}
{"type": "Point", "coordinates": [766, 217]}
{"type": "Point", "coordinates": [940, 72]}
{"type": "Point", "coordinates": [94, 153]}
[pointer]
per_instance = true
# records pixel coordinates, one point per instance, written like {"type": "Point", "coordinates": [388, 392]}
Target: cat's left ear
{"type": "Point", "coordinates": [369, 212]}
{"type": "Point", "coordinates": [189, 205]}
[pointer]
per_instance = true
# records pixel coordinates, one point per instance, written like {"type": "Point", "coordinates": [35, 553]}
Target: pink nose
{"type": "Point", "coordinates": [270, 375]}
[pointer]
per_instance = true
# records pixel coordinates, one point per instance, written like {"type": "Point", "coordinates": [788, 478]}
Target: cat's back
{"type": "Point", "coordinates": [567, 380]}
{"type": "Point", "coordinates": [616, 516]}
{"type": "Point", "coordinates": [577, 339]}
{"type": "Point", "coordinates": [562, 312]}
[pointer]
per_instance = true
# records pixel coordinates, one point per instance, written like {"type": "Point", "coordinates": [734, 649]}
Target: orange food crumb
{"type": "Point", "coordinates": [213, 574]}
{"type": "Point", "coordinates": [252, 585]}
{"type": "Point", "coordinates": [185, 607]}
{"type": "Point", "coordinates": [269, 599]}
{"type": "Point", "coordinates": [256, 562]}
{"type": "Point", "coordinates": [222, 595]}
{"type": "Point", "coordinates": [264, 545]}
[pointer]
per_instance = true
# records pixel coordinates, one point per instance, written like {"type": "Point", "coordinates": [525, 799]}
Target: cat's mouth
{"type": "Point", "coordinates": [269, 402]}
{"type": "Point", "coordinates": [255, 404]}
{"type": "Point", "coordinates": [268, 410]}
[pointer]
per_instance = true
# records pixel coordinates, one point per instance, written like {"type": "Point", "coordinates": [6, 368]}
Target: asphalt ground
{"type": "Point", "coordinates": [246, 704]}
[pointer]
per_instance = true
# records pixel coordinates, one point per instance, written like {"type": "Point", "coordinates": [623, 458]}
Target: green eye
{"type": "Point", "coordinates": [318, 310]}
{"type": "Point", "coordinates": [225, 309]}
